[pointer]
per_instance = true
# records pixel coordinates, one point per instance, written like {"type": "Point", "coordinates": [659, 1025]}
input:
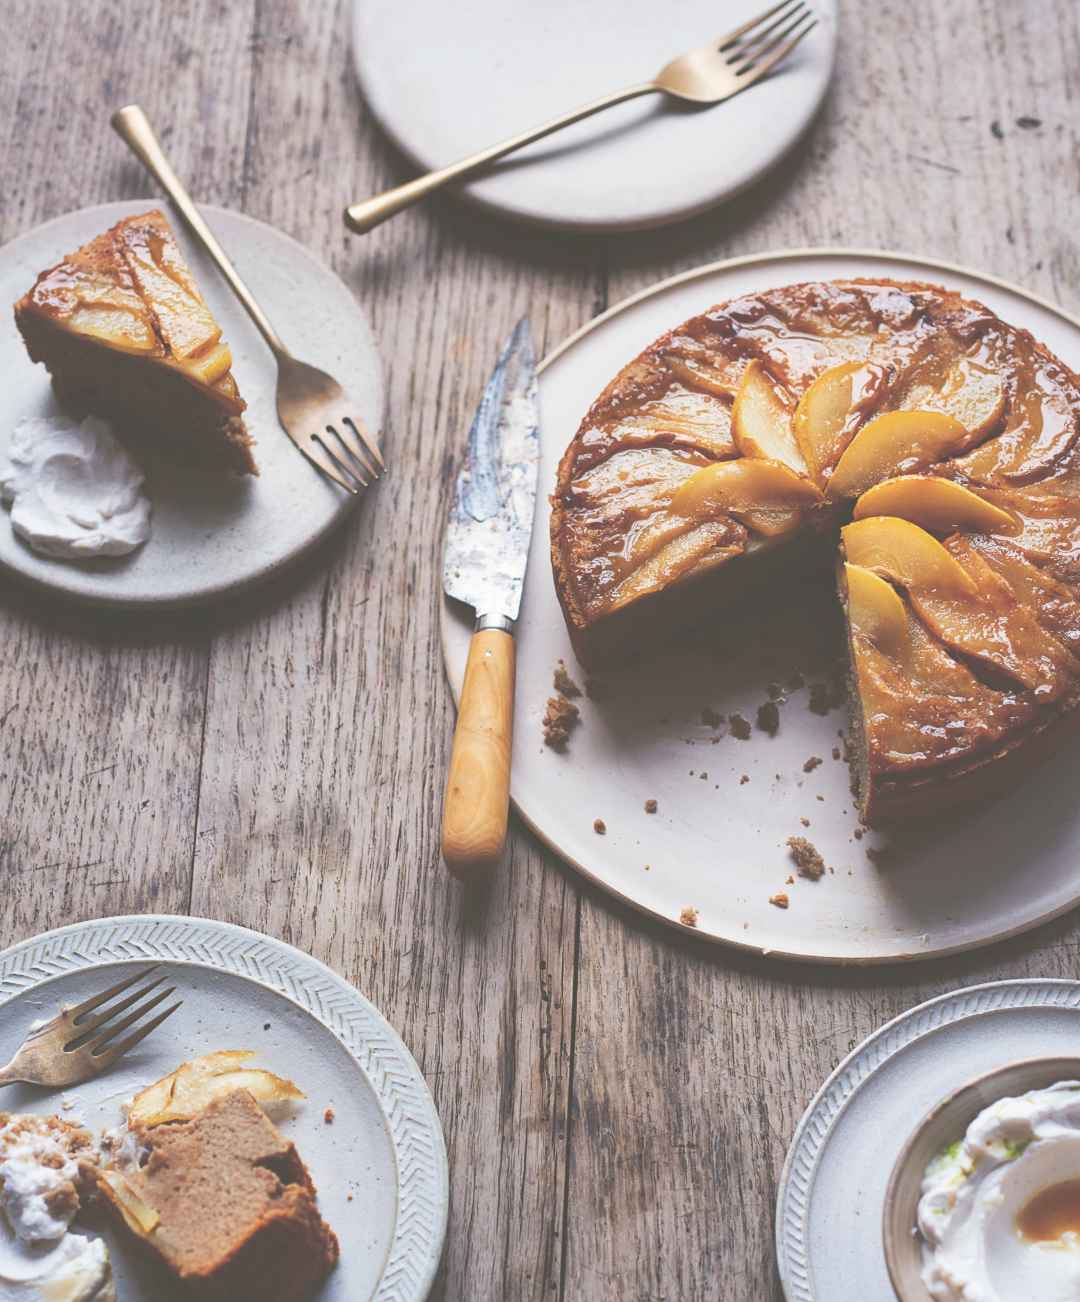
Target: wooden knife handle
{"type": "Point", "coordinates": [478, 788]}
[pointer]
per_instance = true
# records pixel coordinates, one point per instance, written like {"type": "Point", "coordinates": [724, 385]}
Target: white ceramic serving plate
{"type": "Point", "coordinates": [718, 845]}
{"type": "Point", "coordinates": [380, 1167]}
{"type": "Point", "coordinates": [445, 80]}
{"type": "Point", "coordinates": [832, 1190]}
{"type": "Point", "coordinates": [212, 535]}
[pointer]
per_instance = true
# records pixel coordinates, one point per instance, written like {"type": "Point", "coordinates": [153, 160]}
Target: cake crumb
{"type": "Point", "coordinates": [651, 806]}
{"type": "Point", "coordinates": [740, 727]}
{"type": "Point", "coordinates": [648, 867]}
{"type": "Point", "coordinates": [563, 683]}
{"type": "Point", "coordinates": [599, 827]}
{"type": "Point", "coordinates": [560, 718]}
{"type": "Point", "coordinates": [819, 698]}
{"type": "Point", "coordinates": [744, 779]}
{"type": "Point", "coordinates": [858, 834]}
{"type": "Point", "coordinates": [328, 1116]}
{"type": "Point", "coordinates": [807, 859]}
{"type": "Point", "coordinates": [812, 763]}
{"type": "Point", "coordinates": [704, 777]}
{"type": "Point", "coordinates": [836, 752]}
{"type": "Point", "coordinates": [780, 899]}
{"type": "Point", "coordinates": [768, 718]}
{"type": "Point", "coordinates": [805, 821]}
{"type": "Point", "coordinates": [789, 880]}
{"type": "Point", "coordinates": [689, 917]}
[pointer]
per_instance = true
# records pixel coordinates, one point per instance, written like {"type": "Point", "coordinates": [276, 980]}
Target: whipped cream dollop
{"type": "Point", "coordinates": [974, 1213]}
{"type": "Point", "coordinates": [76, 1269]}
{"type": "Point", "coordinates": [39, 1176]}
{"type": "Point", "coordinates": [74, 490]}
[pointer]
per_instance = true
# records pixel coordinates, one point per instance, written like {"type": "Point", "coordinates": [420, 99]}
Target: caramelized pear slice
{"type": "Point", "coordinates": [766, 496]}
{"type": "Point", "coordinates": [971, 393]}
{"type": "Point", "coordinates": [1049, 528]}
{"type": "Point", "coordinates": [194, 1085]}
{"type": "Point", "coordinates": [1055, 606]}
{"type": "Point", "coordinates": [830, 409]}
{"type": "Point", "coordinates": [875, 609]}
{"type": "Point", "coordinates": [208, 367]}
{"type": "Point", "coordinates": [894, 442]}
{"type": "Point", "coordinates": [937, 505]}
{"type": "Point", "coordinates": [922, 707]}
{"type": "Point", "coordinates": [761, 420]}
{"type": "Point", "coordinates": [908, 555]}
{"type": "Point", "coordinates": [693, 552]}
{"type": "Point", "coordinates": [996, 629]}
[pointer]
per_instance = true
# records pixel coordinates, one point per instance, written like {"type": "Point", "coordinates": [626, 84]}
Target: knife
{"type": "Point", "coordinates": [486, 551]}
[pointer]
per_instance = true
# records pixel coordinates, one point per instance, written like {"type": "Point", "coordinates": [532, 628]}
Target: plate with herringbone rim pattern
{"type": "Point", "coordinates": [244, 989]}
{"type": "Point", "coordinates": [832, 1189]}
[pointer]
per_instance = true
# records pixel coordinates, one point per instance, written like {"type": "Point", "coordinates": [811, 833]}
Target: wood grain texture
{"type": "Point", "coordinates": [617, 1101]}
{"type": "Point", "coordinates": [477, 801]}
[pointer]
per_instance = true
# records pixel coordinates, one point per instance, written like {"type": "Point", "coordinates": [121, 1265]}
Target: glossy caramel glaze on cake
{"type": "Point", "coordinates": [951, 436]}
{"type": "Point", "coordinates": [125, 333]}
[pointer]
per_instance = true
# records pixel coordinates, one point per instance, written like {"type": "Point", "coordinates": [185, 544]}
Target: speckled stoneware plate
{"type": "Point", "coordinates": [717, 843]}
{"type": "Point", "coordinates": [212, 535]}
{"type": "Point", "coordinates": [832, 1190]}
{"type": "Point", "coordinates": [380, 1167]}
{"type": "Point", "coordinates": [446, 80]}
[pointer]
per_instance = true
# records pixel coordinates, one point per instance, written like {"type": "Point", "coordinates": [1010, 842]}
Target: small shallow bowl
{"type": "Point", "coordinates": [945, 1122]}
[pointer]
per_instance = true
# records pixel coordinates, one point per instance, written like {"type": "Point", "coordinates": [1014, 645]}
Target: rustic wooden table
{"type": "Point", "coordinates": [617, 1100]}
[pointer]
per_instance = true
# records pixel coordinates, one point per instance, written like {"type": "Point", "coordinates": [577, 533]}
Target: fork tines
{"type": "Point", "coordinates": [99, 1033]}
{"type": "Point", "coordinates": [351, 458]}
{"type": "Point", "coordinates": [749, 48]}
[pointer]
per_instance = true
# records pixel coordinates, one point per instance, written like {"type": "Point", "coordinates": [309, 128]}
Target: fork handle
{"type": "Point", "coordinates": [477, 800]}
{"type": "Point", "coordinates": [133, 127]}
{"type": "Point", "coordinates": [363, 217]}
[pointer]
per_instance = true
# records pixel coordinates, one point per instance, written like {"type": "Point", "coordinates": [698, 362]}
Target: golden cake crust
{"type": "Point", "coordinates": [636, 545]}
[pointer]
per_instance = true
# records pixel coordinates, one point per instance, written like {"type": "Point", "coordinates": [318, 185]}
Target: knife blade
{"type": "Point", "coordinates": [487, 538]}
{"type": "Point", "coordinates": [484, 561]}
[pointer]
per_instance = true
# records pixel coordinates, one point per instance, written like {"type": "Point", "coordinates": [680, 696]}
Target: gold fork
{"type": "Point", "coordinates": [313, 408]}
{"type": "Point", "coordinates": [709, 75]}
{"type": "Point", "coordinates": [74, 1046]}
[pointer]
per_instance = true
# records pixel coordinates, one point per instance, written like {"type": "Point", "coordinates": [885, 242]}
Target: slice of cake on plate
{"type": "Point", "coordinates": [125, 333]}
{"type": "Point", "coordinates": [207, 1183]}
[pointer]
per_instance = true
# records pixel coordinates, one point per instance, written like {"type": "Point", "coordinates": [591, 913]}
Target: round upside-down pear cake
{"type": "Point", "coordinates": [939, 443]}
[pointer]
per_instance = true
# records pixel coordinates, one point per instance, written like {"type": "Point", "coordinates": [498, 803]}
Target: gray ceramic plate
{"type": "Point", "coordinates": [832, 1190]}
{"type": "Point", "coordinates": [380, 1167]}
{"type": "Point", "coordinates": [445, 80]}
{"type": "Point", "coordinates": [211, 536]}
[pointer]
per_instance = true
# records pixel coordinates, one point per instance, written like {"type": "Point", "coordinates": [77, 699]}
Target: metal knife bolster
{"type": "Point", "coordinates": [502, 622]}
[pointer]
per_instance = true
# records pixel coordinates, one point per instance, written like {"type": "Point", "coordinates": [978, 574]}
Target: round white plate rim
{"type": "Point", "coordinates": [445, 606]}
{"type": "Point", "coordinates": [115, 209]}
{"type": "Point", "coordinates": [950, 1008]}
{"type": "Point", "coordinates": [651, 221]}
{"type": "Point", "coordinates": [408, 1113]}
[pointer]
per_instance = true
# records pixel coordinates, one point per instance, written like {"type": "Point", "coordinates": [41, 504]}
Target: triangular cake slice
{"type": "Point", "coordinates": [125, 333]}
